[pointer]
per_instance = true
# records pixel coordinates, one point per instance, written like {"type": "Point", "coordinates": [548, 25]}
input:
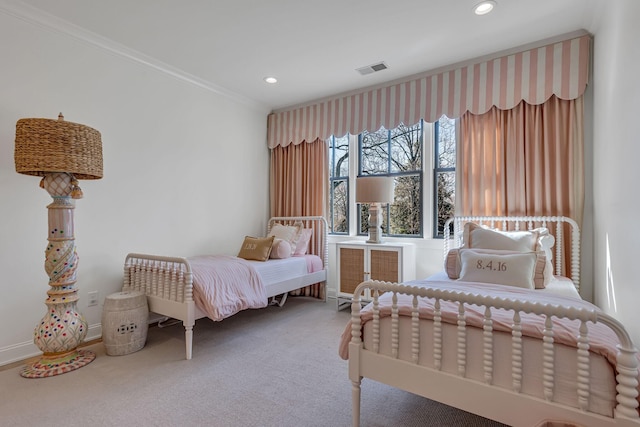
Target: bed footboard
{"type": "Point", "coordinates": [483, 397]}
{"type": "Point", "coordinates": [167, 282]}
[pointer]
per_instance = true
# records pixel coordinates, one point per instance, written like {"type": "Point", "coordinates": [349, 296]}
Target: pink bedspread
{"type": "Point", "coordinates": [224, 285]}
{"type": "Point", "coordinates": [314, 263]}
{"type": "Point", "coordinates": [602, 339]}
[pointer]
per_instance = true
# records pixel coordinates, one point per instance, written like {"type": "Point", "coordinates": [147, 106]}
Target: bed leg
{"type": "Point", "coordinates": [274, 299]}
{"type": "Point", "coordinates": [188, 339]}
{"type": "Point", "coordinates": [355, 399]}
{"type": "Point", "coordinates": [283, 299]}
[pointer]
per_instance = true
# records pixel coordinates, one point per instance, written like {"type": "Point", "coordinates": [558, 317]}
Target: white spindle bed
{"type": "Point", "coordinates": [168, 282]}
{"type": "Point", "coordinates": [512, 355]}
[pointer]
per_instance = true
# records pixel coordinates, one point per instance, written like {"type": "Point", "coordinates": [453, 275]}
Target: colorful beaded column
{"type": "Point", "coordinates": [62, 328]}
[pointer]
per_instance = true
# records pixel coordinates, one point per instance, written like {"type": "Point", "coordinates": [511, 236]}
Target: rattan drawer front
{"type": "Point", "coordinates": [384, 265]}
{"type": "Point", "coordinates": [351, 269]}
{"type": "Point", "coordinates": [359, 261]}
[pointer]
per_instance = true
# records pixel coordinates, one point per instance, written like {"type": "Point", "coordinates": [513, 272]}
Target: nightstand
{"type": "Point", "coordinates": [359, 261]}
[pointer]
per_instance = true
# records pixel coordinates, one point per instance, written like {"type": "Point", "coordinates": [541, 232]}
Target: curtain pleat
{"type": "Point", "coordinates": [299, 177]}
{"type": "Point", "coordinates": [525, 161]}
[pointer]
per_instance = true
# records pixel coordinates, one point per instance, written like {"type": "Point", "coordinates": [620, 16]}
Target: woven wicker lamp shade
{"type": "Point", "coordinates": [45, 145]}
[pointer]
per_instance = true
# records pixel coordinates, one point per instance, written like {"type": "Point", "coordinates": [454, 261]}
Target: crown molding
{"type": "Point", "coordinates": [49, 22]}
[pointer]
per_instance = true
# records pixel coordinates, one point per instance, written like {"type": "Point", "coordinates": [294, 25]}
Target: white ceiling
{"type": "Point", "coordinates": [314, 46]}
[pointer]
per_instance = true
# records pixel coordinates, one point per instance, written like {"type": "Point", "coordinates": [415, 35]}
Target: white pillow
{"type": "Point", "coordinates": [289, 233]}
{"type": "Point", "coordinates": [542, 274]}
{"type": "Point", "coordinates": [545, 242]}
{"type": "Point", "coordinates": [477, 236]}
{"type": "Point", "coordinates": [514, 269]}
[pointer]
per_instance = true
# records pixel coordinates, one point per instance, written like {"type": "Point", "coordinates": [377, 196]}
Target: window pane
{"type": "Point", "coordinates": [363, 211]}
{"type": "Point", "coordinates": [444, 173]}
{"type": "Point", "coordinates": [406, 148]}
{"type": "Point", "coordinates": [446, 198]}
{"type": "Point", "coordinates": [374, 155]}
{"type": "Point", "coordinates": [339, 207]}
{"type": "Point", "coordinates": [340, 154]}
{"type": "Point", "coordinates": [397, 153]}
{"type": "Point", "coordinates": [339, 184]}
{"type": "Point", "coordinates": [446, 155]}
{"type": "Point", "coordinates": [406, 210]}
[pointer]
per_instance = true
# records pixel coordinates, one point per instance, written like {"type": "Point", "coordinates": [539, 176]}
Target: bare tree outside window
{"type": "Point", "coordinates": [398, 153]}
{"type": "Point", "coordinates": [339, 189]}
{"type": "Point", "coordinates": [444, 172]}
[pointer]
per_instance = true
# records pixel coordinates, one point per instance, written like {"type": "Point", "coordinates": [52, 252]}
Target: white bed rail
{"type": "Point", "coordinates": [555, 224]}
{"type": "Point", "coordinates": [166, 277]}
{"type": "Point", "coordinates": [168, 284]}
{"type": "Point", "coordinates": [627, 366]}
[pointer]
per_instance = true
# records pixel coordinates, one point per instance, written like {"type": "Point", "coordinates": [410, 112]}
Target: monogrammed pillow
{"type": "Point", "coordinates": [256, 248]}
{"type": "Point", "coordinates": [543, 272]}
{"type": "Point", "coordinates": [512, 269]}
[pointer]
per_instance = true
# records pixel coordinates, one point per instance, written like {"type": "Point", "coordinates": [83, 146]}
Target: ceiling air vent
{"type": "Point", "coordinates": [372, 68]}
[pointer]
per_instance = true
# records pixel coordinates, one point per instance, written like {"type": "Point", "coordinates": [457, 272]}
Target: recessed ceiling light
{"type": "Point", "coordinates": [271, 80]}
{"type": "Point", "coordinates": [484, 7]}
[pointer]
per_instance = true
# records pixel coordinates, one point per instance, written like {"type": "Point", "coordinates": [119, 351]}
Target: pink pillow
{"type": "Point", "coordinates": [302, 244]}
{"type": "Point", "coordinates": [280, 249]}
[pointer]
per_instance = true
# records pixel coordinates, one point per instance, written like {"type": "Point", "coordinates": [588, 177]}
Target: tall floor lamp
{"type": "Point", "coordinates": [61, 152]}
{"type": "Point", "coordinates": [374, 190]}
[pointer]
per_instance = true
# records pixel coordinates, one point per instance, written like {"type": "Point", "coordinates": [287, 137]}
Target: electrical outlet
{"type": "Point", "coordinates": [93, 298]}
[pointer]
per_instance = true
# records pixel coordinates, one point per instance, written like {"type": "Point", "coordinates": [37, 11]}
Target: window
{"type": "Point", "coordinates": [339, 185]}
{"type": "Point", "coordinates": [444, 173]}
{"type": "Point", "coordinates": [420, 200]}
{"type": "Point", "coordinates": [397, 153]}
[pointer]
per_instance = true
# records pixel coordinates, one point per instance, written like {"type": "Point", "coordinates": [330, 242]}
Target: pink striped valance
{"type": "Point", "coordinates": [534, 75]}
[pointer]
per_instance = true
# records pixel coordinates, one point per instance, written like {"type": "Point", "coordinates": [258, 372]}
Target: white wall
{"type": "Point", "coordinates": [184, 170]}
{"type": "Point", "coordinates": [616, 153]}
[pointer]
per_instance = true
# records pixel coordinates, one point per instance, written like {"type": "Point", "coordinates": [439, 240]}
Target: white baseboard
{"type": "Point", "coordinates": [22, 351]}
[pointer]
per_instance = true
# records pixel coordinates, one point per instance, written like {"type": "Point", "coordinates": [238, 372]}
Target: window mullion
{"type": "Point", "coordinates": [354, 168]}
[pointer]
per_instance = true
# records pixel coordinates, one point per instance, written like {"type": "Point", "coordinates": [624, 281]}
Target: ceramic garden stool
{"type": "Point", "coordinates": [125, 322]}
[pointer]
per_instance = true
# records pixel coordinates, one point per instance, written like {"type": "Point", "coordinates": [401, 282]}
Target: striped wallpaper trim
{"type": "Point", "coordinates": [534, 75]}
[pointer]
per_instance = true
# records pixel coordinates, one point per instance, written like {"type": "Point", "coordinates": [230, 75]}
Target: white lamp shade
{"type": "Point", "coordinates": [374, 189]}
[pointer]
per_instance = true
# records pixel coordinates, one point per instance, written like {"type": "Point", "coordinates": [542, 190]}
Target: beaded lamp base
{"type": "Point", "coordinates": [63, 328]}
{"type": "Point", "coordinates": [50, 365]}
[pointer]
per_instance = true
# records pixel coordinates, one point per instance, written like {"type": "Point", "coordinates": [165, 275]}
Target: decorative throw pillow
{"type": "Point", "coordinates": [477, 236]}
{"type": "Point", "coordinates": [452, 263]}
{"type": "Point", "coordinates": [281, 249]}
{"type": "Point", "coordinates": [256, 248]}
{"type": "Point", "coordinates": [302, 245]}
{"type": "Point", "coordinates": [289, 233]}
{"type": "Point", "coordinates": [541, 277]}
{"type": "Point", "coordinates": [514, 269]}
{"type": "Point", "coordinates": [546, 242]}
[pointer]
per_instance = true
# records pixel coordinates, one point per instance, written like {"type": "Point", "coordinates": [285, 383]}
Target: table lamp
{"type": "Point", "coordinates": [62, 153]}
{"type": "Point", "coordinates": [374, 190]}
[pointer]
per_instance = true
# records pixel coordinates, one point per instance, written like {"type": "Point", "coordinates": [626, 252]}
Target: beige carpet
{"type": "Point", "coordinates": [269, 367]}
